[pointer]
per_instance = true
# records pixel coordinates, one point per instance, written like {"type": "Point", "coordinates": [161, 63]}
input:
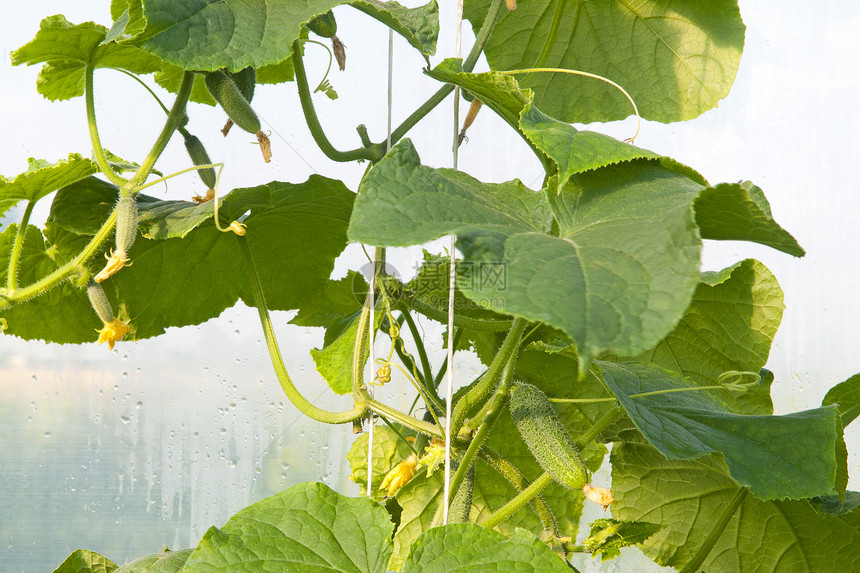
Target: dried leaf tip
{"type": "Point", "coordinates": [265, 146]}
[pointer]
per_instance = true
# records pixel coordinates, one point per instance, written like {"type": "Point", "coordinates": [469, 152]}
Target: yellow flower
{"type": "Point", "coordinates": [116, 261]}
{"type": "Point", "coordinates": [399, 475]}
{"type": "Point", "coordinates": [112, 331]}
{"type": "Point", "coordinates": [599, 495]}
{"type": "Point", "coordinates": [210, 194]}
{"type": "Point", "coordinates": [434, 454]}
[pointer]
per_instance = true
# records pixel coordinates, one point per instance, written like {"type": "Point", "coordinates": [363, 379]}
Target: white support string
{"type": "Point", "coordinates": [371, 359]}
{"type": "Point", "coordinates": [449, 394]}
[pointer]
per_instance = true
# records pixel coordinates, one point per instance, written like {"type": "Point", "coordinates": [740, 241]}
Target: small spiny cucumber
{"type": "Point", "coordinates": [547, 439]}
{"type": "Point", "coordinates": [100, 302]}
{"type": "Point", "coordinates": [246, 80]}
{"type": "Point", "coordinates": [230, 98]}
{"type": "Point", "coordinates": [461, 505]}
{"type": "Point", "coordinates": [126, 224]}
{"type": "Point", "coordinates": [199, 157]}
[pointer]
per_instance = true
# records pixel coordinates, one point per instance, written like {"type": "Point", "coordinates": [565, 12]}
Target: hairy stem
{"type": "Point", "coordinates": [98, 150]}
{"type": "Point", "coordinates": [707, 545]}
{"type": "Point", "coordinates": [17, 247]}
{"type": "Point", "coordinates": [422, 352]}
{"type": "Point", "coordinates": [460, 321]}
{"type": "Point", "coordinates": [495, 407]}
{"type": "Point", "coordinates": [287, 385]}
{"type": "Point", "coordinates": [481, 391]}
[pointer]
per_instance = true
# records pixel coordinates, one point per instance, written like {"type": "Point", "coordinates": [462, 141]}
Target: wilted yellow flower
{"type": "Point", "coordinates": [116, 261]}
{"type": "Point", "coordinates": [434, 454]}
{"type": "Point", "coordinates": [599, 495]}
{"type": "Point", "coordinates": [399, 475]}
{"type": "Point", "coordinates": [210, 194]}
{"type": "Point", "coordinates": [112, 331]}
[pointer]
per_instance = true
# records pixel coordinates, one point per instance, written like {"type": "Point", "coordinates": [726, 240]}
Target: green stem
{"type": "Point", "coordinates": [98, 151]}
{"type": "Point", "coordinates": [551, 36]}
{"type": "Point", "coordinates": [422, 352]}
{"type": "Point", "coordinates": [287, 385]}
{"type": "Point", "coordinates": [468, 65]}
{"type": "Point", "coordinates": [146, 87]}
{"type": "Point", "coordinates": [507, 470]}
{"type": "Point", "coordinates": [545, 479]}
{"type": "Point", "coordinates": [481, 391]}
{"type": "Point", "coordinates": [50, 281]}
{"type": "Point", "coordinates": [458, 333]}
{"type": "Point", "coordinates": [174, 118]}
{"type": "Point", "coordinates": [495, 408]}
{"type": "Point", "coordinates": [405, 419]}
{"type": "Point", "coordinates": [17, 247]}
{"type": "Point", "coordinates": [460, 321]}
{"type": "Point", "coordinates": [373, 153]}
{"type": "Point", "coordinates": [720, 524]}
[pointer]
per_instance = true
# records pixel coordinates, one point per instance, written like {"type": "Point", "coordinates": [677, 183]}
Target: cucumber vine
{"type": "Point", "coordinates": [582, 299]}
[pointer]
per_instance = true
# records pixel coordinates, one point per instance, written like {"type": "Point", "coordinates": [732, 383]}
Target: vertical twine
{"type": "Point", "coordinates": [451, 285]}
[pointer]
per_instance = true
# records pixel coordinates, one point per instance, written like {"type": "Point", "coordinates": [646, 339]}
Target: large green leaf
{"type": "Point", "coordinates": [791, 456]}
{"type": "Point", "coordinates": [67, 50]}
{"type": "Point", "coordinates": [625, 263]}
{"type": "Point", "coordinates": [740, 212]}
{"type": "Point", "coordinates": [730, 325]}
{"type": "Point", "coordinates": [307, 528]}
{"type": "Point", "coordinates": [688, 496]}
{"type": "Point", "coordinates": [164, 562]}
{"type": "Point", "coordinates": [182, 281]}
{"type": "Point", "coordinates": [211, 34]}
{"type": "Point", "coordinates": [335, 360]}
{"type": "Point", "coordinates": [846, 395]}
{"type": "Point", "coordinates": [466, 547]}
{"type": "Point", "coordinates": [676, 58]}
{"type": "Point", "coordinates": [43, 178]}
{"type": "Point", "coordinates": [85, 561]}
{"type": "Point", "coordinates": [608, 536]}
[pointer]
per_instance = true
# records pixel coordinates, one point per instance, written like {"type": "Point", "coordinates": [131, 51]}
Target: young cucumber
{"type": "Point", "coordinates": [126, 224]}
{"type": "Point", "coordinates": [323, 25]}
{"type": "Point", "coordinates": [246, 80]}
{"type": "Point", "coordinates": [230, 98]}
{"type": "Point", "coordinates": [198, 156]}
{"type": "Point", "coordinates": [546, 437]}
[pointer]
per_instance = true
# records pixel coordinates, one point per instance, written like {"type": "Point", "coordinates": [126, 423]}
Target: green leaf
{"type": "Point", "coordinates": [209, 34]}
{"type": "Point", "coordinates": [85, 561]}
{"type": "Point", "coordinates": [388, 451]}
{"type": "Point", "coordinates": [626, 263]}
{"type": "Point", "coordinates": [687, 497]}
{"type": "Point", "coordinates": [730, 325]}
{"type": "Point", "coordinates": [335, 360]}
{"type": "Point", "coordinates": [164, 562]}
{"type": "Point", "coordinates": [170, 78]}
{"type": "Point", "coordinates": [676, 58]}
{"type": "Point", "coordinates": [798, 450]}
{"type": "Point", "coordinates": [740, 212]}
{"type": "Point", "coordinates": [572, 150]}
{"type": "Point", "coordinates": [43, 178]}
{"type": "Point", "coordinates": [419, 26]}
{"type": "Point", "coordinates": [307, 528]}
{"type": "Point", "coordinates": [68, 49]}
{"type": "Point", "coordinates": [182, 281]}
{"type": "Point", "coordinates": [846, 396]}
{"type": "Point", "coordinates": [467, 547]}
{"type": "Point", "coordinates": [400, 202]}
{"type": "Point", "coordinates": [608, 536]}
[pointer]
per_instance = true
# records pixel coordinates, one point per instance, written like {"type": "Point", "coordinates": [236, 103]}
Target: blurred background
{"type": "Point", "coordinates": [126, 451]}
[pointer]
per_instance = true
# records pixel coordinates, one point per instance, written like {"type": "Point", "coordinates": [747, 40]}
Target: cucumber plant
{"type": "Point", "coordinates": [583, 298]}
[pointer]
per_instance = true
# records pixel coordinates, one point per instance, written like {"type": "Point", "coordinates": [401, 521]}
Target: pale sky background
{"type": "Point", "coordinates": [152, 443]}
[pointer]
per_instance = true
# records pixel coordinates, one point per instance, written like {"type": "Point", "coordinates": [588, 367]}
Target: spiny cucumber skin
{"type": "Point", "coordinates": [547, 439]}
{"type": "Point", "coordinates": [100, 302]}
{"type": "Point", "coordinates": [126, 223]}
{"type": "Point", "coordinates": [461, 505]}
{"type": "Point", "coordinates": [227, 94]}
{"type": "Point", "coordinates": [198, 156]}
{"type": "Point", "coordinates": [246, 80]}
{"type": "Point", "coordinates": [324, 25]}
